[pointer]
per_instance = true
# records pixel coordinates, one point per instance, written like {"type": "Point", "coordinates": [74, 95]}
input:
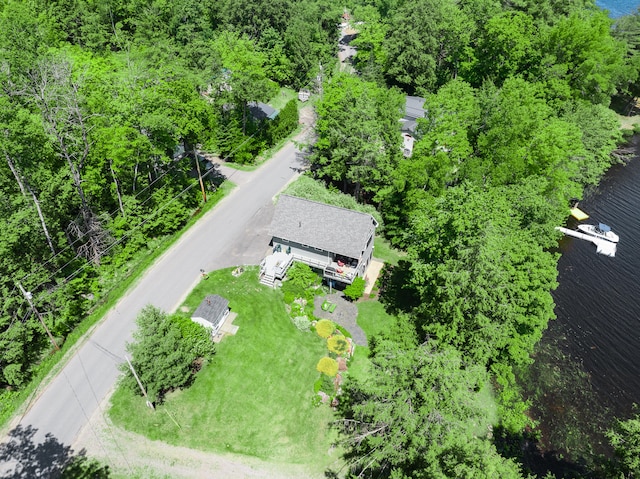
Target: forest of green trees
{"type": "Point", "coordinates": [97, 97]}
{"type": "Point", "coordinates": [517, 124]}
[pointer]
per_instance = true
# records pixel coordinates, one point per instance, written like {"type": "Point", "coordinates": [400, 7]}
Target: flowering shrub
{"type": "Point", "coordinates": [302, 323]}
{"type": "Point", "coordinates": [338, 344]}
{"type": "Point", "coordinates": [325, 328]}
{"type": "Point", "coordinates": [328, 366]}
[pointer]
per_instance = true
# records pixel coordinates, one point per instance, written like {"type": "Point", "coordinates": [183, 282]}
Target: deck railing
{"type": "Point", "coordinates": [342, 277]}
{"type": "Point", "coordinates": [346, 277]}
{"type": "Point", "coordinates": [314, 263]}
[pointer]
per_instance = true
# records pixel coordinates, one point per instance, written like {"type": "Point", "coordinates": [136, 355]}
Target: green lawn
{"type": "Point", "coordinates": [254, 397]}
{"type": "Point", "coordinates": [384, 251]}
{"type": "Point", "coordinates": [373, 318]}
{"type": "Point", "coordinates": [359, 366]}
{"type": "Point", "coordinates": [282, 98]}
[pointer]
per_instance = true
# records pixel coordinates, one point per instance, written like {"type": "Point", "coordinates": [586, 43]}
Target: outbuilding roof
{"type": "Point", "coordinates": [212, 309]}
{"type": "Point", "coordinates": [329, 228]}
{"type": "Point", "coordinates": [262, 111]}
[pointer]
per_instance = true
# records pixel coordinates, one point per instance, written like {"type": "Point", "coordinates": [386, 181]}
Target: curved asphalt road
{"type": "Point", "coordinates": [234, 232]}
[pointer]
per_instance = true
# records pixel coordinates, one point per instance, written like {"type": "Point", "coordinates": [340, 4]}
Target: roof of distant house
{"type": "Point", "coordinates": [414, 107]}
{"type": "Point", "coordinates": [329, 228]}
{"type": "Point", "coordinates": [212, 309]}
{"type": "Point", "coordinates": [262, 111]}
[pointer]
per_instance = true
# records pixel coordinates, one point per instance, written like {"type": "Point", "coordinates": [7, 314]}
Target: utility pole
{"type": "Point", "coordinates": [319, 79]}
{"type": "Point", "coordinates": [29, 297]}
{"type": "Point", "coordinates": [135, 375]}
{"type": "Point", "coordinates": [204, 193]}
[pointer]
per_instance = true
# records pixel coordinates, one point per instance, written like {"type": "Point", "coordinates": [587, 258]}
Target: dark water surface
{"type": "Point", "coordinates": [596, 337]}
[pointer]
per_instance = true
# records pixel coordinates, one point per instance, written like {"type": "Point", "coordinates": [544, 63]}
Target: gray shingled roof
{"type": "Point", "coordinates": [414, 107]}
{"type": "Point", "coordinates": [409, 126]}
{"type": "Point", "coordinates": [262, 111]}
{"type": "Point", "coordinates": [212, 309]}
{"type": "Point", "coordinates": [323, 226]}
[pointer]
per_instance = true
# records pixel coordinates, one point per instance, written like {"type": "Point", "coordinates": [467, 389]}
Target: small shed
{"type": "Point", "coordinates": [304, 95]}
{"type": "Point", "coordinates": [211, 313]}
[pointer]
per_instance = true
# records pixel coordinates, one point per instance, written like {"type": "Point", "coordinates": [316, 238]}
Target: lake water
{"type": "Point", "coordinates": [617, 8]}
{"type": "Point", "coordinates": [591, 354]}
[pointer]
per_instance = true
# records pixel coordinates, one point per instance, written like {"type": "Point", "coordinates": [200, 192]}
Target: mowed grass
{"type": "Point", "coordinates": [254, 397]}
{"type": "Point", "coordinates": [384, 251]}
{"type": "Point", "coordinates": [282, 98]}
{"type": "Point", "coordinates": [373, 318]}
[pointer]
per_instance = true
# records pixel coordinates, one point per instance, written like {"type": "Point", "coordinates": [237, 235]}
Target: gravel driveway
{"type": "Point", "coordinates": [345, 315]}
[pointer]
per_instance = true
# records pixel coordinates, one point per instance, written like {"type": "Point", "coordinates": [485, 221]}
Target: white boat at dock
{"type": "Point", "coordinates": [601, 231]}
{"type": "Point", "coordinates": [605, 247]}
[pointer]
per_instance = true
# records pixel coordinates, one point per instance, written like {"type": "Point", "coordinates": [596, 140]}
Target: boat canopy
{"type": "Point", "coordinates": [604, 228]}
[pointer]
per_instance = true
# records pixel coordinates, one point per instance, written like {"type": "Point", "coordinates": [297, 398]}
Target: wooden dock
{"type": "Point", "coordinates": [604, 247]}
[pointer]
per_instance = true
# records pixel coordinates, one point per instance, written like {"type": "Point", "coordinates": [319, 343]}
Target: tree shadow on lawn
{"type": "Point", "coordinates": [396, 292]}
{"type": "Point", "coordinates": [22, 458]}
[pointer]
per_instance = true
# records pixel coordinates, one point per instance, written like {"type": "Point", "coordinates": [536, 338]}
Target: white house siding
{"type": "Point", "coordinates": [205, 323]}
{"type": "Point", "coordinates": [366, 257]}
{"type": "Point", "coordinates": [211, 327]}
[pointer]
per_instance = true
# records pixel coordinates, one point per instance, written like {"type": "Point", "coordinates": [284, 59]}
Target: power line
{"type": "Point", "coordinates": [146, 220]}
{"type": "Point", "coordinates": [114, 212]}
{"type": "Point", "coordinates": [51, 275]}
{"type": "Point", "coordinates": [68, 278]}
{"type": "Point", "coordinates": [88, 420]}
{"type": "Point", "coordinates": [28, 296]}
{"type": "Point", "coordinates": [113, 437]}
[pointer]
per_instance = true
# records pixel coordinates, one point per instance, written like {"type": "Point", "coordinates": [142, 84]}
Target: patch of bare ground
{"type": "Point", "coordinates": [627, 122]}
{"type": "Point", "coordinates": [131, 455]}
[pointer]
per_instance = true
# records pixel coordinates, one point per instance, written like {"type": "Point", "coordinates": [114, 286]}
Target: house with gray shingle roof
{"type": "Point", "coordinates": [337, 241]}
{"type": "Point", "coordinates": [413, 110]}
{"type": "Point", "coordinates": [211, 313]}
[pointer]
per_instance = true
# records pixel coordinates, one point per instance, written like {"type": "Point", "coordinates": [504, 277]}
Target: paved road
{"type": "Point", "coordinates": [234, 232]}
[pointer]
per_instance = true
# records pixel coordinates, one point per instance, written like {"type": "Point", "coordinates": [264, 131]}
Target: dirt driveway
{"type": "Point", "coordinates": [131, 455]}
